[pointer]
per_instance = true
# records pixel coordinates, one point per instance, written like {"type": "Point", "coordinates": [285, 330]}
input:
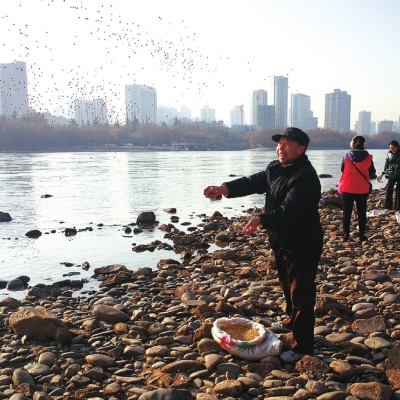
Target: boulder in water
{"type": "Point", "coordinates": [5, 217]}
{"type": "Point", "coordinates": [33, 234]}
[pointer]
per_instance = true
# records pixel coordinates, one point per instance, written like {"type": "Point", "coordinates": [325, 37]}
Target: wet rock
{"type": "Point", "coordinates": [5, 217]}
{"type": "Point", "coordinates": [34, 234]}
{"type": "Point", "coordinates": [15, 284]}
{"type": "Point", "coordinates": [147, 218]}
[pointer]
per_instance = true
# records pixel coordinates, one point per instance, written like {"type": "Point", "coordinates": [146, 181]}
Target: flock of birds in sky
{"type": "Point", "coordinates": [102, 51]}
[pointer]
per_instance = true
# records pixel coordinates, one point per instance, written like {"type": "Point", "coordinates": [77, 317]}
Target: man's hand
{"type": "Point", "coordinates": [214, 191]}
{"type": "Point", "coordinates": [251, 226]}
{"type": "Point", "coordinates": [379, 178]}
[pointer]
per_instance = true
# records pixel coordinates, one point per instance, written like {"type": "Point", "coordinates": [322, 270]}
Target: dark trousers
{"type": "Point", "coordinates": [389, 194]}
{"type": "Point", "coordinates": [297, 280]}
{"type": "Point", "coordinates": [361, 203]}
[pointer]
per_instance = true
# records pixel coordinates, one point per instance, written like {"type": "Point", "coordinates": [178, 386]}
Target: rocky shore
{"type": "Point", "coordinates": [147, 334]}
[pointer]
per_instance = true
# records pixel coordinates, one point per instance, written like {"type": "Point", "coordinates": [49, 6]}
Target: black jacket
{"type": "Point", "coordinates": [291, 202]}
{"type": "Point", "coordinates": [391, 170]}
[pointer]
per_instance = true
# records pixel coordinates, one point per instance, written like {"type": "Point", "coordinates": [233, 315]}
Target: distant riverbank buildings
{"type": "Point", "coordinates": [301, 115]}
{"type": "Point", "coordinates": [90, 112]}
{"type": "Point", "coordinates": [13, 89]}
{"type": "Point", "coordinates": [141, 104]}
{"type": "Point", "coordinates": [337, 111]}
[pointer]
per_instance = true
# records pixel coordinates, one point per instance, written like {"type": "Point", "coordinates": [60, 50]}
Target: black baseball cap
{"type": "Point", "coordinates": [295, 134]}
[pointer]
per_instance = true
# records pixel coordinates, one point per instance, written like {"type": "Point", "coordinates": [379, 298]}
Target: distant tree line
{"type": "Point", "coordinates": [32, 132]}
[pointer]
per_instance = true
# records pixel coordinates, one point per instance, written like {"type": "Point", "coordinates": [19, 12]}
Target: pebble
{"type": "Point", "coordinates": [146, 334]}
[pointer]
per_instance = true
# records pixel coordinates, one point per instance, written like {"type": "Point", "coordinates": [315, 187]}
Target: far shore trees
{"type": "Point", "coordinates": [32, 132]}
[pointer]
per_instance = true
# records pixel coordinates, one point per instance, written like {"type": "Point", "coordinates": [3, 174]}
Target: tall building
{"type": "Point", "coordinates": [237, 116]}
{"type": "Point", "coordinates": [265, 117]}
{"type": "Point", "coordinates": [13, 89]}
{"type": "Point", "coordinates": [337, 111]}
{"type": "Point", "coordinates": [281, 100]}
{"type": "Point", "coordinates": [90, 112]}
{"type": "Point", "coordinates": [364, 123]}
{"type": "Point", "coordinates": [207, 114]}
{"type": "Point", "coordinates": [260, 98]}
{"type": "Point", "coordinates": [141, 103]}
{"type": "Point", "coordinates": [385, 126]}
{"type": "Point", "coordinates": [301, 115]}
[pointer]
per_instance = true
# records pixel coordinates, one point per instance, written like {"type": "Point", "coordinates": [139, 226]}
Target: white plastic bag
{"type": "Point", "coordinates": [263, 345]}
{"type": "Point", "coordinates": [397, 214]}
{"type": "Point", "coordinates": [375, 213]}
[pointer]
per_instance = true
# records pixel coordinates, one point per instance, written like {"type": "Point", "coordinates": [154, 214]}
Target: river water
{"type": "Point", "coordinates": [106, 191]}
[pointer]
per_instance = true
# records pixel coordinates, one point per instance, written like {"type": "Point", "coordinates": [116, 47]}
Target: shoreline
{"type": "Point", "coordinates": [147, 332]}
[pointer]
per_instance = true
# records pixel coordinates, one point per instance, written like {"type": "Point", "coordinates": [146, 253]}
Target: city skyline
{"type": "Point", "coordinates": [141, 106]}
{"type": "Point", "coordinates": [200, 57]}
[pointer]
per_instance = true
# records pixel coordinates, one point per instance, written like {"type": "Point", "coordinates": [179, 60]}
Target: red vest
{"type": "Point", "coordinates": [351, 180]}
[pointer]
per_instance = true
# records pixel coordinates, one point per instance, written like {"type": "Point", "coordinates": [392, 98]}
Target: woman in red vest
{"type": "Point", "coordinates": [354, 185]}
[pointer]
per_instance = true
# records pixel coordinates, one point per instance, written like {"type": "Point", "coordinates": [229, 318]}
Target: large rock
{"type": "Point", "coordinates": [146, 218]}
{"type": "Point", "coordinates": [5, 217]}
{"type": "Point", "coordinates": [309, 364]}
{"type": "Point", "coordinates": [39, 324]}
{"type": "Point", "coordinates": [393, 367]}
{"type": "Point", "coordinates": [368, 326]}
{"type": "Point", "coordinates": [370, 391]}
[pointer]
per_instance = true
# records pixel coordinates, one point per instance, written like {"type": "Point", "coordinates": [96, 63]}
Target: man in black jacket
{"type": "Point", "coordinates": [291, 217]}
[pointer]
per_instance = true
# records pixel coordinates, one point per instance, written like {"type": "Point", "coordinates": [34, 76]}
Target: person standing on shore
{"type": "Point", "coordinates": [391, 171]}
{"type": "Point", "coordinates": [354, 185]}
{"type": "Point", "coordinates": [293, 191]}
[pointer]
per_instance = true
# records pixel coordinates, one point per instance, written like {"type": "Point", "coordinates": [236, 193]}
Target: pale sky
{"type": "Point", "coordinates": [214, 52]}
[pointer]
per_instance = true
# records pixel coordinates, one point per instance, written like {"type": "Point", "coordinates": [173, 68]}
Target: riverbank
{"type": "Point", "coordinates": [147, 334]}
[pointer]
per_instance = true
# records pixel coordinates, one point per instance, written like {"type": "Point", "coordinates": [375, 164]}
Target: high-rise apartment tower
{"type": "Point", "coordinates": [141, 103]}
{"type": "Point", "coordinates": [281, 100]}
{"type": "Point", "coordinates": [13, 89]}
{"type": "Point", "coordinates": [260, 98]}
{"type": "Point", "coordinates": [337, 111]}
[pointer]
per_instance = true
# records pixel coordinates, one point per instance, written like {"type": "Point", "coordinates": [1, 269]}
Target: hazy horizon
{"type": "Point", "coordinates": [214, 53]}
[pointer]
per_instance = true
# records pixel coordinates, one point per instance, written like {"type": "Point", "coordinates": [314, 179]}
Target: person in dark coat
{"type": "Point", "coordinates": [354, 185]}
{"type": "Point", "coordinates": [292, 193]}
{"type": "Point", "coordinates": [391, 171]}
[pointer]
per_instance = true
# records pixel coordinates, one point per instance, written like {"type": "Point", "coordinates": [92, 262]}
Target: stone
{"type": "Point", "coordinates": [342, 368]}
{"type": "Point", "coordinates": [370, 391]}
{"type": "Point", "coordinates": [33, 234]}
{"type": "Point", "coordinates": [109, 314]}
{"type": "Point", "coordinates": [39, 324]}
{"type": "Point", "coordinates": [99, 360]}
{"type": "Point", "coordinates": [367, 326]}
{"type": "Point", "coordinates": [393, 367]}
{"type": "Point", "coordinates": [309, 364]}
{"type": "Point", "coordinates": [146, 218]}
{"type": "Point", "coordinates": [21, 376]}
{"type": "Point", "coordinates": [5, 217]}
{"type": "Point", "coordinates": [227, 388]}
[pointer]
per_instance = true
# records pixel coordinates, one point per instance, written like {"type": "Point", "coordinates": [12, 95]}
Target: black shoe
{"type": "Point", "coordinates": [363, 238]}
{"type": "Point", "coordinates": [345, 237]}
